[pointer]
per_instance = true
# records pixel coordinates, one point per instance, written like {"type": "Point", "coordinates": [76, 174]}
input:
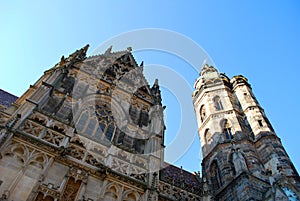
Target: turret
{"type": "Point", "coordinates": [254, 113]}
{"type": "Point", "coordinates": [217, 109]}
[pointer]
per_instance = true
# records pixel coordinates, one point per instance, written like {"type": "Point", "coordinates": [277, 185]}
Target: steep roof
{"type": "Point", "coordinates": [6, 98]}
{"type": "Point", "coordinates": [180, 178]}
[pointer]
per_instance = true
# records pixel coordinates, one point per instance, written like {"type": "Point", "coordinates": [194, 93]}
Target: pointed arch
{"type": "Point", "coordinates": [218, 103]}
{"type": "Point", "coordinates": [130, 195]}
{"type": "Point", "coordinates": [80, 125]}
{"type": "Point", "coordinates": [111, 192]}
{"type": "Point", "coordinates": [207, 137]}
{"type": "Point", "coordinates": [227, 130]}
{"type": "Point", "coordinates": [41, 197]}
{"type": "Point", "coordinates": [98, 116]}
{"type": "Point", "coordinates": [215, 176]}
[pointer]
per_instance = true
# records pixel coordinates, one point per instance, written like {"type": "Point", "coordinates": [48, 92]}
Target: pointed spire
{"type": "Point", "coordinates": [156, 82]}
{"type": "Point", "coordinates": [85, 48]}
{"type": "Point", "coordinates": [142, 64]}
{"type": "Point", "coordinates": [62, 61]}
{"type": "Point", "coordinates": [108, 51]}
{"type": "Point", "coordinates": [78, 55]}
{"type": "Point", "coordinates": [155, 91]}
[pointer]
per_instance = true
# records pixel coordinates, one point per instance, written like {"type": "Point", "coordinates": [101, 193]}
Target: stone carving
{"type": "Point", "coordinates": [156, 116]}
{"type": "Point", "coordinates": [53, 137]}
{"type": "Point", "coordinates": [239, 161]}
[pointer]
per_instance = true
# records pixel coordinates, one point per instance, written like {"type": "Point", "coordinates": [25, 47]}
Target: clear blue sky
{"type": "Point", "coordinates": [259, 39]}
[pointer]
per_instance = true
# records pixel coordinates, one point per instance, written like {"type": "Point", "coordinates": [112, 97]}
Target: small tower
{"type": "Point", "coordinates": [233, 132]}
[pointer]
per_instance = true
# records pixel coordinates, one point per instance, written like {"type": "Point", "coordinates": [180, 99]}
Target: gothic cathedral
{"type": "Point", "coordinates": [92, 129]}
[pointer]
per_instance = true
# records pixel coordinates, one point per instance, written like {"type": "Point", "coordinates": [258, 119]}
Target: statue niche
{"type": "Point", "coordinates": [157, 122]}
{"type": "Point", "coordinates": [239, 161]}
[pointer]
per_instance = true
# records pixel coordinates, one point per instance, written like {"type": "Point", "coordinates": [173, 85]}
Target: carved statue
{"type": "Point", "coordinates": [239, 161]}
{"type": "Point", "coordinates": [156, 116]}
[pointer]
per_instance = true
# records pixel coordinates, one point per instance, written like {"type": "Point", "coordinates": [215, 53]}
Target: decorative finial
{"type": "Point", "coordinates": [62, 60]}
{"type": "Point", "coordinates": [86, 47]}
{"type": "Point", "coordinates": [142, 64]}
{"type": "Point", "coordinates": [129, 49]}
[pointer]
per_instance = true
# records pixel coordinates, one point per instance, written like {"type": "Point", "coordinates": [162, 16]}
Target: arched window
{"type": "Point", "coordinates": [134, 113]}
{"type": "Point", "coordinates": [106, 121]}
{"type": "Point", "coordinates": [91, 127]}
{"type": "Point", "coordinates": [110, 132]}
{"type": "Point", "coordinates": [217, 103]}
{"type": "Point", "coordinates": [111, 193]}
{"type": "Point", "coordinates": [41, 197]}
{"type": "Point", "coordinates": [227, 130]}
{"type": "Point", "coordinates": [144, 118]}
{"type": "Point", "coordinates": [202, 113]}
{"type": "Point", "coordinates": [97, 122]}
{"type": "Point", "coordinates": [82, 121]}
{"type": "Point", "coordinates": [215, 175]}
{"type": "Point", "coordinates": [207, 136]}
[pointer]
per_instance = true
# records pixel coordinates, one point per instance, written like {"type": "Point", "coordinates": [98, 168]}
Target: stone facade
{"type": "Point", "coordinates": [92, 128]}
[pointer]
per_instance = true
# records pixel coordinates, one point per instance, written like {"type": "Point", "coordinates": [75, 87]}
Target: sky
{"type": "Point", "coordinates": [258, 39]}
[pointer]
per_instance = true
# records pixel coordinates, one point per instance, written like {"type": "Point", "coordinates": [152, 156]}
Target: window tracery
{"type": "Point", "coordinates": [139, 117]}
{"type": "Point", "coordinates": [97, 122]}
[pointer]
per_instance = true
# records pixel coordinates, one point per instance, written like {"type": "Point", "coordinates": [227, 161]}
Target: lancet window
{"type": "Point", "coordinates": [227, 130]}
{"type": "Point", "coordinates": [215, 175]}
{"type": "Point", "coordinates": [218, 103]}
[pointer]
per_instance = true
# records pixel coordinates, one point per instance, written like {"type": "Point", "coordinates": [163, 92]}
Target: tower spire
{"type": "Point", "coordinates": [155, 91]}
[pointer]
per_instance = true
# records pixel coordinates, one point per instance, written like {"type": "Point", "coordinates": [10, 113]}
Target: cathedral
{"type": "Point", "coordinates": [92, 129]}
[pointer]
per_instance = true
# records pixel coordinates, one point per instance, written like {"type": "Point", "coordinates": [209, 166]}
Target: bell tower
{"type": "Point", "coordinates": [239, 146]}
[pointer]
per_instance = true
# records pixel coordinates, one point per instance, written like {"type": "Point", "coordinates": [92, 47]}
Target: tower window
{"type": "Point", "coordinates": [202, 113]}
{"type": "Point", "coordinates": [208, 136]}
{"type": "Point", "coordinates": [217, 103]}
{"type": "Point", "coordinates": [228, 134]}
{"type": "Point", "coordinates": [227, 130]}
{"type": "Point", "coordinates": [260, 123]}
